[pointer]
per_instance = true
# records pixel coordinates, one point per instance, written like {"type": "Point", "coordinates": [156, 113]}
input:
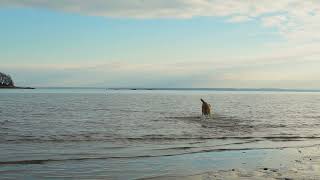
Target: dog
{"type": "Point", "coordinates": [206, 108]}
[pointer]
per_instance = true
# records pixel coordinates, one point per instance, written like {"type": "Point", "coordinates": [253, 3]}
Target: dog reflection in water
{"type": "Point", "coordinates": [206, 108]}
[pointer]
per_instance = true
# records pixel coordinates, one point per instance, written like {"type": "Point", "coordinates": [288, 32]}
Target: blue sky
{"type": "Point", "coordinates": [180, 43]}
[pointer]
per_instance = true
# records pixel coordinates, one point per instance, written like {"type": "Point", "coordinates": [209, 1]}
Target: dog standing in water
{"type": "Point", "coordinates": [206, 108]}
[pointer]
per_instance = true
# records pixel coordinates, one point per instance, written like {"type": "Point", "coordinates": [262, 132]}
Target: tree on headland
{"type": "Point", "coordinates": [6, 80]}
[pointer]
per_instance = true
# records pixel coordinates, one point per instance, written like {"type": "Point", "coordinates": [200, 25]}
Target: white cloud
{"type": "Point", "coordinates": [274, 21]}
{"type": "Point", "coordinates": [238, 19]}
{"type": "Point", "coordinates": [296, 20]}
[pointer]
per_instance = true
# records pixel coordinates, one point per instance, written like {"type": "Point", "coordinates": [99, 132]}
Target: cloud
{"type": "Point", "coordinates": [167, 8]}
{"type": "Point", "coordinates": [296, 20]}
{"type": "Point", "coordinates": [151, 8]}
{"type": "Point", "coordinates": [238, 72]}
{"type": "Point", "coordinates": [237, 19]}
{"type": "Point", "coordinates": [274, 21]}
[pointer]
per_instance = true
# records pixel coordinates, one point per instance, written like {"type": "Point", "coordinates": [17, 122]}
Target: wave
{"type": "Point", "coordinates": [128, 110]}
{"type": "Point", "coordinates": [206, 118]}
{"type": "Point", "coordinates": [45, 161]}
{"type": "Point", "coordinates": [233, 123]}
{"type": "Point", "coordinates": [219, 145]}
{"type": "Point", "coordinates": [156, 137]}
{"type": "Point", "coordinates": [149, 138]}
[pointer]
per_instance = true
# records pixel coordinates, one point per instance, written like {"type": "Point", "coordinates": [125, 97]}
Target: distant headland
{"type": "Point", "coordinates": [7, 82]}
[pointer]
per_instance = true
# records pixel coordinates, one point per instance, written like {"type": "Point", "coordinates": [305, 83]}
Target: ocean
{"type": "Point", "coordinates": [134, 134]}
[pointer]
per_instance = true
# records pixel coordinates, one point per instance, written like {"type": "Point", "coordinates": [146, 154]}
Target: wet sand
{"type": "Point", "coordinates": [287, 163]}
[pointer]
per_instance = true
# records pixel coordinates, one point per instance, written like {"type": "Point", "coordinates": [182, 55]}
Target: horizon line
{"type": "Point", "coordinates": [185, 88]}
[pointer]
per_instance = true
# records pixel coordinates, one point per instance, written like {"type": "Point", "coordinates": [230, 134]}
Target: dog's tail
{"type": "Point", "coordinates": [202, 101]}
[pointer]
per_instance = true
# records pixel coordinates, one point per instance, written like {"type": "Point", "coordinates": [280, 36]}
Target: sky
{"type": "Point", "coordinates": [161, 43]}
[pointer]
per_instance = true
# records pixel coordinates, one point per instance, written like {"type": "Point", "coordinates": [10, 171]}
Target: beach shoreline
{"type": "Point", "coordinates": [280, 163]}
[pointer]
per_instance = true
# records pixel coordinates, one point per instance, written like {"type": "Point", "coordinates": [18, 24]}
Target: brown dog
{"type": "Point", "coordinates": [206, 108]}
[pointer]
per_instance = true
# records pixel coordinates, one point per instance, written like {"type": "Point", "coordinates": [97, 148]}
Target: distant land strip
{"type": "Point", "coordinates": [223, 89]}
{"type": "Point", "coordinates": [15, 87]}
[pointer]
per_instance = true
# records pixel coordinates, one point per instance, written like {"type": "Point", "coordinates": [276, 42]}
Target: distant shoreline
{"type": "Point", "coordinates": [175, 89]}
{"type": "Point", "coordinates": [4, 87]}
{"type": "Point", "coordinates": [222, 89]}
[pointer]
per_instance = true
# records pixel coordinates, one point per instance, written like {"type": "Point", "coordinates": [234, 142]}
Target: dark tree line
{"type": "Point", "coordinates": [6, 80]}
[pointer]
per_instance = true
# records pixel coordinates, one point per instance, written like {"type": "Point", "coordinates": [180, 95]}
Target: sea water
{"type": "Point", "coordinates": [126, 134]}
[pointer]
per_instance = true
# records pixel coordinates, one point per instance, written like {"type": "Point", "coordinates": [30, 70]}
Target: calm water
{"type": "Point", "coordinates": [94, 133]}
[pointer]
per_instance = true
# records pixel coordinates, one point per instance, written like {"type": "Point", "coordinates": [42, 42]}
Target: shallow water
{"type": "Point", "coordinates": [94, 133]}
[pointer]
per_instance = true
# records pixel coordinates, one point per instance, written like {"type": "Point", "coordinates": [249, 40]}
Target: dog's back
{"type": "Point", "coordinates": [205, 108]}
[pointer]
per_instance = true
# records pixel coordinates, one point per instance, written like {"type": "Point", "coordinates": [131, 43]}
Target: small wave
{"type": "Point", "coordinates": [152, 138]}
{"type": "Point", "coordinates": [217, 121]}
{"type": "Point", "coordinates": [121, 110]}
{"type": "Point", "coordinates": [219, 145]}
{"type": "Point", "coordinates": [102, 109]}
{"type": "Point", "coordinates": [4, 121]}
{"type": "Point", "coordinates": [128, 110]}
{"type": "Point", "coordinates": [186, 117]}
{"type": "Point", "coordinates": [45, 161]}
{"type": "Point", "coordinates": [271, 138]}
{"type": "Point", "coordinates": [311, 116]}
{"type": "Point", "coordinates": [206, 118]}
